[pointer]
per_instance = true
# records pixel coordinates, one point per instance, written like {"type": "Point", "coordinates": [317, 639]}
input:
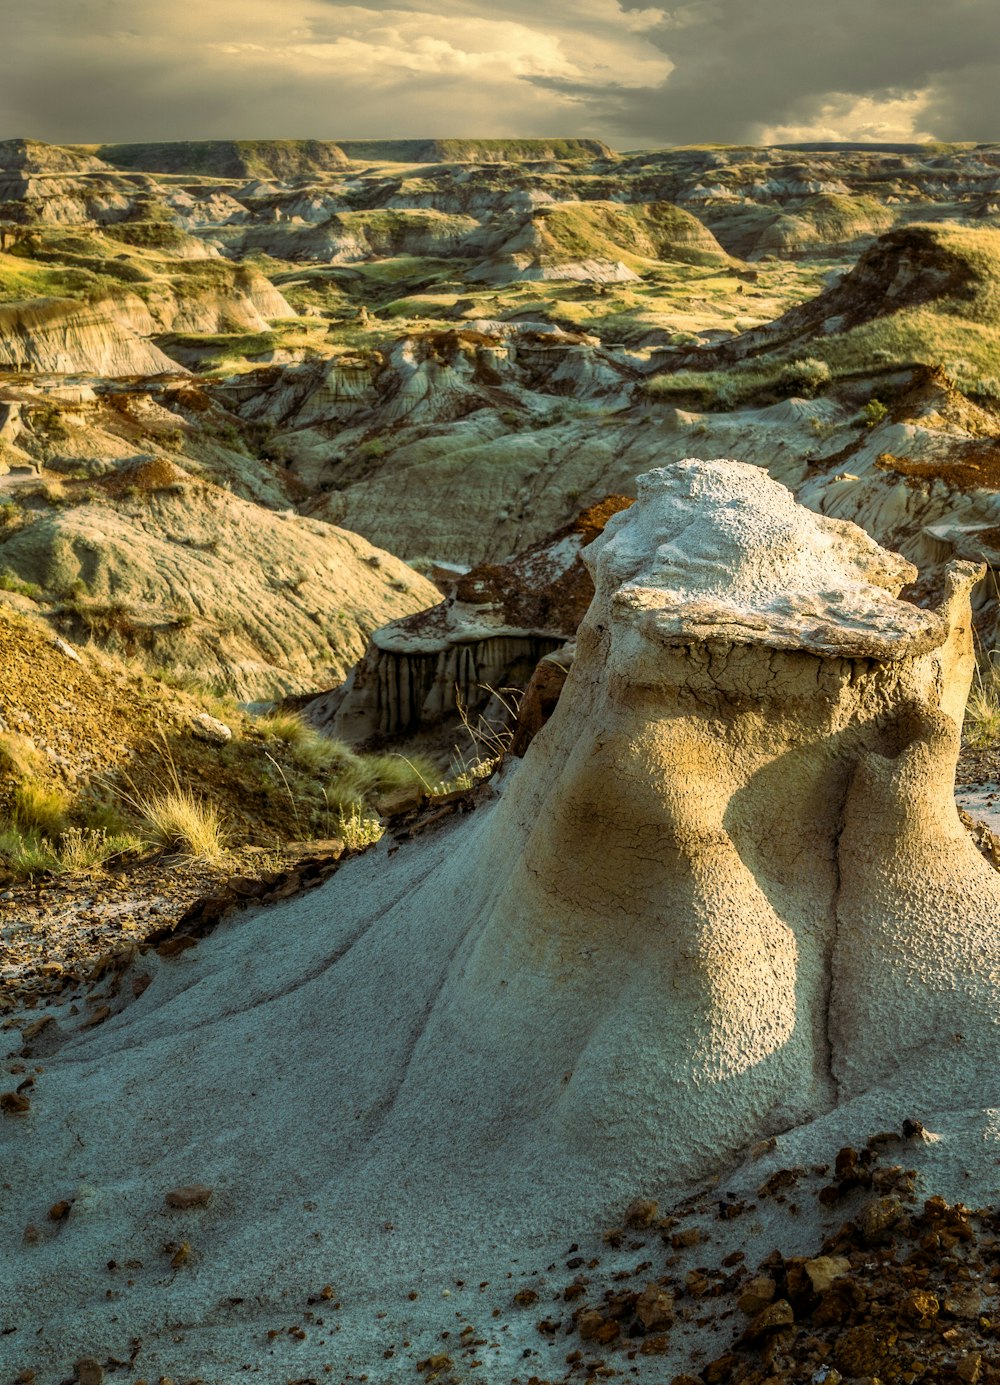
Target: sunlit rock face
{"type": "Point", "coordinates": [738, 876]}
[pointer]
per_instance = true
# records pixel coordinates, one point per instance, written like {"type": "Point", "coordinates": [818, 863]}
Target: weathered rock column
{"type": "Point", "coordinates": [734, 844]}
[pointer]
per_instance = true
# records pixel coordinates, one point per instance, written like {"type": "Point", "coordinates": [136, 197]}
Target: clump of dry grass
{"type": "Point", "coordinates": [350, 778]}
{"type": "Point", "coordinates": [179, 820]}
{"type": "Point", "coordinates": [83, 850]}
{"type": "Point", "coordinates": [982, 712]}
{"type": "Point", "coordinates": [40, 808]}
{"type": "Point", "coordinates": [173, 816]}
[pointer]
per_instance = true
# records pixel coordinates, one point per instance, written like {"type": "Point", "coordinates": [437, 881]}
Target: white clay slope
{"type": "Point", "coordinates": [724, 893]}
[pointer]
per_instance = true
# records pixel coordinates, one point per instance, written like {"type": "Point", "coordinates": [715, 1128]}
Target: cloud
{"type": "Point", "coordinates": [95, 70]}
{"type": "Point", "coordinates": [632, 72]}
{"type": "Point", "coordinates": [746, 68]}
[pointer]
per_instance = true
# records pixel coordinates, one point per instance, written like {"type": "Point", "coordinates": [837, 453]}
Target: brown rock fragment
{"type": "Point", "coordinates": [774, 1318]}
{"type": "Point", "coordinates": [102, 1013]}
{"type": "Point", "coordinates": [680, 1240]}
{"type": "Point", "coordinates": [655, 1308]}
{"type": "Point", "coordinates": [879, 1216]}
{"type": "Point", "coordinates": [825, 1269]}
{"type": "Point", "coordinates": [173, 947]}
{"type": "Point", "coordinates": [757, 1295]}
{"type": "Point", "coordinates": [641, 1213]}
{"type": "Point", "coordinates": [34, 1028]}
{"type": "Point", "coordinates": [191, 1195]}
{"type": "Point", "coordinates": [866, 1350]}
{"type": "Point", "coordinates": [595, 1327]}
{"type": "Point", "coordinates": [920, 1307]}
{"type": "Point", "coordinates": [89, 1371]}
{"type": "Point", "coordinates": [14, 1104]}
{"type": "Point", "coordinates": [721, 1369]}
{"type": "Point", "coordinates": [59, 1211]}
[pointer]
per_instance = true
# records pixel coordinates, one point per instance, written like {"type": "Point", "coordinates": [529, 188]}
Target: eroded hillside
{"type": "Point", "coordinates": [228, 368]}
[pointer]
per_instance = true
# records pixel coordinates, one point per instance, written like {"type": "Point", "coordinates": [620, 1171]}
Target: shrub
{"type": "Point", "coordinates": [874, 413]}
{"type": "Point", "coordinates": [177, 819]}
{"type": "Point", "coordinates": [359, 829]}
{"type": "Point", "coordinates": [982, 712]}
{"type": "Point", "coordinates": [805, 377]}
{"type": "Point", "coordinates": [26, 855]}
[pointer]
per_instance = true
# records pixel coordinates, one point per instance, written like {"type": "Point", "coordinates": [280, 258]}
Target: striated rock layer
{"type": "Point", "coordinates": [476, 648]}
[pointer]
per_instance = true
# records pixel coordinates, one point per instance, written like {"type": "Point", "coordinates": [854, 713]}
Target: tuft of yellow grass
{"type": "Point", "coordinates": [179, 820]}
{"type": "Point", "coordinates": [85, 850]}
{"type": "Point", "coordinates": [40, 808]}
{"type": "Point", "coordinates": [982, 712]}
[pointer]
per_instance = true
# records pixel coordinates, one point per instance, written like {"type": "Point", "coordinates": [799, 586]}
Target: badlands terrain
{"type": "Point", "coordinates": [483, 890]}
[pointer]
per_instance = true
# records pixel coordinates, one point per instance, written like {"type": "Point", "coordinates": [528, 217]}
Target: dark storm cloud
{"type": "Point", "coordinates": [631, 72]}
{"type": "Point", "coordinates": [742, 66]}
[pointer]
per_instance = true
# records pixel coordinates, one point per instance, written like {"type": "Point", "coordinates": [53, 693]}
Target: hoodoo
{"type": "Point", "coordinates": [725, 894]}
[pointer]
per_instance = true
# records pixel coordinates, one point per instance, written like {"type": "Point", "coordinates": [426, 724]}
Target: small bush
{"type": "Point", "coordinates": [874, 413]}
{"type": "Point", "coordinates": [982, 712]}
{"type": "Point", "coordinates": [10, 582]}
{"type": "Point", "coordinates": [359, 829]}
{"type": "Point", "coordinates": [25, 854]}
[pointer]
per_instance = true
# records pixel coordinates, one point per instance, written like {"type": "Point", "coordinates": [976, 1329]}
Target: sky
{"type": "Point", "coordinates": [632, 74]}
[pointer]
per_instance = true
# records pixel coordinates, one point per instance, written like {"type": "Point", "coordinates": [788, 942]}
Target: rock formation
{"type": "Point", "coordinates": [474, 648]}
{"type": "Point", "coordinates": [724, 895]}
{"type": "Point", "coordinates": [785, 910]}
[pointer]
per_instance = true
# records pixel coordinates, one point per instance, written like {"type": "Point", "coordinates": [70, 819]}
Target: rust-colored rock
{"type": "Point", "coordinates": [191, 1195]}
{"type": "Point", "coordinates": [774, 1318]}
{"type": "Point", "coordinates": [879, 1216]}
{"type": "Point", "coordinates": [641, 1213]}
{"type": "Point", "coordinates": [757, 1295]}
{"type": "Point", "coordinates": [595, 1327]}
{"type": "Point", "coordinates": [173, 947]}
{"type": "Point", "coordinates": [655, 1308]}
{"type": "Point", "coordinates": [866, 1350]}
{"type": "Point", "coordinates": [102, 1013]}
{"type": "Point", "coordinates": [681, 1240]}
{"type": "Point", "coordinates": [14, 1104]}
{"type": "Point", "coordinates": [539, 700]}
